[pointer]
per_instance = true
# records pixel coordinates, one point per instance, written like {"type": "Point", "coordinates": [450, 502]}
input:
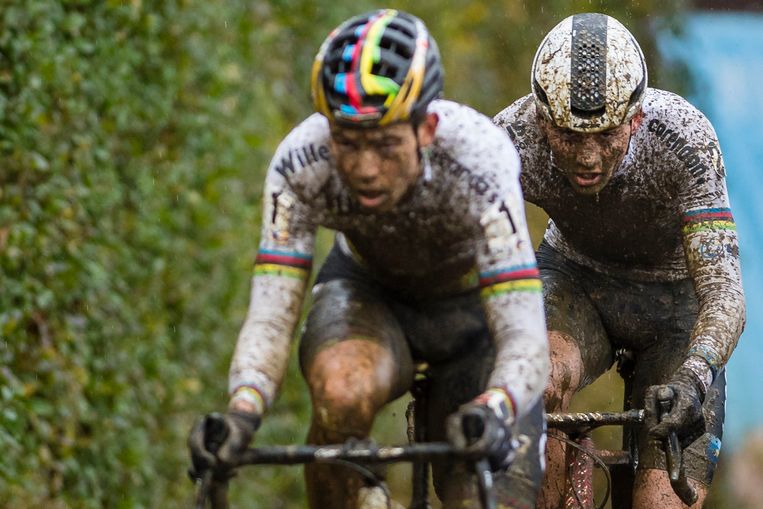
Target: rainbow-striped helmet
{"type": "Point", "coordinates": [375, 69]}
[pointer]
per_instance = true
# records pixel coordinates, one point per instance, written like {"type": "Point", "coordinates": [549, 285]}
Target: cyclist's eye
{"type": "Point", "coordinates": [570, 137]}
{"type": "Point", "coordinates": [346, 145]}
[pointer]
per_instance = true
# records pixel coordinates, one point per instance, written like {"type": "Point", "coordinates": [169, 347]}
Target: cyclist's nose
{"type": "Point", "coordinates": [588, 158]}
{"type": "Point", "coordinates": [368, 166]}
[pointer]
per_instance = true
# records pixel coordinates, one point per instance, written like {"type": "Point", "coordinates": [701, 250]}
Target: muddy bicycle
{"type": "Point", "coordinates": [581, 460]}
{"type": "Point", "coordinates": [618, 466]}
{"type": "Point", "coordinates": [582, 457]}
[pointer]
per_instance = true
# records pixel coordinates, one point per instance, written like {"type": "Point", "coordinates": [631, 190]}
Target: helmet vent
{"type": "Point", "coordinates": [364, 66]}
{"type": "Point", "coordinates": [638, 92]}
{"type": "Point", "coordinates": [588, 71]}
{"type": "Point", "coordinates": [540, 93]}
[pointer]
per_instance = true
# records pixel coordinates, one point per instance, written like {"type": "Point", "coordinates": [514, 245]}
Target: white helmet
{"type": "Point", "coordinates": [589, 74]}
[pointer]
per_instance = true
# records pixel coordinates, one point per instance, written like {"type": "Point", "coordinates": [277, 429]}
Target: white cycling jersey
{"type": "Point", "coordinates": [664, 215]}
{"type": "Point", "coordinates": [461, 226]}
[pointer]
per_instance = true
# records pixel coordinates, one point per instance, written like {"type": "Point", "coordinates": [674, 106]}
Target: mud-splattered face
{"type": "Point", "coordinates": [589, 159]}
{"type": "Point", "coordinates": [380, 165]}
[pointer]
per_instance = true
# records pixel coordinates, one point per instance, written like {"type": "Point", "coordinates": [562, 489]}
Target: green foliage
{"type": "Point", "coordinates": [133, 141]}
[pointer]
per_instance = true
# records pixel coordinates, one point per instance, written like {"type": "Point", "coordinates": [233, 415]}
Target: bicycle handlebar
{"type": "Point", "coordinates": [352, 452]}
{"type": "Point", "coordinates": [366, 452]}
{"type": "Point", "coordinates": [589, 420]}
{"type": "Point", "coordinates": [357, 452]}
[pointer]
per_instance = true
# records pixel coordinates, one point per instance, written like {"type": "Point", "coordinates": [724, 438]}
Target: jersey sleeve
{"type": "Point", "coordinates": [712, 251]}
{"type": "Point", "coordinates": [281, 271]}
{"type": "Point", "coordinates": [511, 291]}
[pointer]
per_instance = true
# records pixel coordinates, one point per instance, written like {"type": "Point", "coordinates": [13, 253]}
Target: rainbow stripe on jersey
{"type": "Point", "coordinates": [291, 264]}
{"type": "Point", "coordinates": [519, 278]}
{"type": "Point", "coordinates": [708, 220]}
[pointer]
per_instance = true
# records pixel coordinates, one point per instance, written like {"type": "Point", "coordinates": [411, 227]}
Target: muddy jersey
{"type": "Point", "coordinates": [461, 226]}
{"type": "Point", "coordinates": [664, 216]}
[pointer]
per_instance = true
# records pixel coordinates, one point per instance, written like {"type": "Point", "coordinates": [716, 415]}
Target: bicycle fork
{"type": "Point", "coordinates": [416, 417]}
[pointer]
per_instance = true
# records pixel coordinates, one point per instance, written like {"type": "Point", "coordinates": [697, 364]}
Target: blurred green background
{"type": "Point", "coordinates": [134, 136]}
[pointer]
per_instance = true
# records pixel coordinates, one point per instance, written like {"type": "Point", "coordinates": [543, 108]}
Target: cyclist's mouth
{"type": "Point", "coordinates": [587, 179]}
{"type": "Point", "coordinates": [369, 199]}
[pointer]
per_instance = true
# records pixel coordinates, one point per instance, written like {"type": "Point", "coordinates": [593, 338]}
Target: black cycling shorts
{"type": "Point", "coordinates": [653, 320]}
{"type": "Point", "coordinates": [450, 335]}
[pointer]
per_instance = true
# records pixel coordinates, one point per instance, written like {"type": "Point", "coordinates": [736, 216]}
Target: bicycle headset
{"type": "Point", "coordinates": [589, 74]}
{"type": "Point", "coordinates": [376, 69]}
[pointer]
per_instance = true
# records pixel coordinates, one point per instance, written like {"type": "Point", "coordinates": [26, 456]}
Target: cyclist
{"type": "Point", "coordinates": [432, 263]}
{"type": "Point", "coordinates": [640, 252]}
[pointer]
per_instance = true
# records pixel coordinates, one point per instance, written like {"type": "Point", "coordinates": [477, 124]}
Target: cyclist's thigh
{"type": "Point", "coordinates": [570, 310]}
{"type": "Point", "coordinates": [655, 365]}
{"type": "Point", "coordinates": [351, 309]}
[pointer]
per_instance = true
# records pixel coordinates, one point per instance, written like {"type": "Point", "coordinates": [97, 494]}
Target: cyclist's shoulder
{"type": "Point", "coordinates": [304, 151]}
{"type": "Point", "coordinates": [460, 125]}
{"type": "Point", "coordinates": [671, 110]}
{"type": "Point", "coordinates": [313, 129]}
{"type": "Point", "coordinates": [470, 138]}
{"type": "Point", "coordinates": [521, 111]}
{"type": "Point", "coordinates": [678, 134]}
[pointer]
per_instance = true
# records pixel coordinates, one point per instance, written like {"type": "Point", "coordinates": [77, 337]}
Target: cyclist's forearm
{"type": "Point", "coordinates": [713, 259]}
{"type": "Point", "coordinates": [719, 324]}
{"type": "Point", "coordinates": [262, 350]}
{"type": "Point", "coordinates": [522, 357]}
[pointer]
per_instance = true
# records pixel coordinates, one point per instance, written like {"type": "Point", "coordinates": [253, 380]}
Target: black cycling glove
{"type": "Point", "coordinates": [685, 416]}
{"type": "Point", "coordinates": [216, 440]}
{"type": "Point", "coordinates": [475, 426]}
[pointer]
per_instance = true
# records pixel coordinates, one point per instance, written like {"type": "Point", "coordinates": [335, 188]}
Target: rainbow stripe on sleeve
{"type": "Point", "coordinates": [708, 220]}
{"type": "Point", "coordinates": [520, 278]}
{"type": "Point", "coordinates": [283, 263]}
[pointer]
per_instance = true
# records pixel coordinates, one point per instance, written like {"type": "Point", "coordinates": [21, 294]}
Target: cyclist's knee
{"type": "Point", "coordinates": [652, 489]}
{"type": "Point", "coordinates": [349, 381]}
{"type": "Point", "coordinates": [566, 371]}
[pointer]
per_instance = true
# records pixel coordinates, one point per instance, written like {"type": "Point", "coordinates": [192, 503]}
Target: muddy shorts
{"type": "Point", "coordinates": [449, 334]}
{"type": "Point", "coordinates": [654, 321]}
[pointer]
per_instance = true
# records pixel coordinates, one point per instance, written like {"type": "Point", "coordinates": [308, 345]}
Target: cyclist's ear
{"type": "Point", "coordinates": [425, 131]}
{"type": "Point", "coordinates": [636, 120]}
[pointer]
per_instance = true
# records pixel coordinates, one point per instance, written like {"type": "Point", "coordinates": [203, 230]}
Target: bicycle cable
{"type": "Point", "coordinates": [370, 477]}
{"type": "Point", "coordinates": [599, 462]}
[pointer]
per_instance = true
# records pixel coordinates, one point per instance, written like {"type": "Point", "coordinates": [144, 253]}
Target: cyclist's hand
{"type": "Point", "coordinates": [216, 440]}
{"type": "Point", "coordinates": [475, 427]}
{"type": "Point", "coordinates": [685, 416]}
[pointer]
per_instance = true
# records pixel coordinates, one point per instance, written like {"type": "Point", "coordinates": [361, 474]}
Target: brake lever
{"type": "Point", "coordinates": [674, 454]}
{"type": "Point", "coordinates": [485, 484]}
{"type": "Point", "coordinates": [207, 487]}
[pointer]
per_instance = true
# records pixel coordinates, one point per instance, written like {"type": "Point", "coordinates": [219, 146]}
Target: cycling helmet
{"type": "Point", "coordinates": [589, 74]}
{"type": "Point", "coordinates": [375, 69]}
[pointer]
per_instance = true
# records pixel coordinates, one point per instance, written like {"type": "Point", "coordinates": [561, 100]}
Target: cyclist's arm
{"type": "Point", "coordinates": [512, 295]}
{"type": "Point", "coordinates": [712, 255]}
{"type": "Point", "coordinates": [281, 272]}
